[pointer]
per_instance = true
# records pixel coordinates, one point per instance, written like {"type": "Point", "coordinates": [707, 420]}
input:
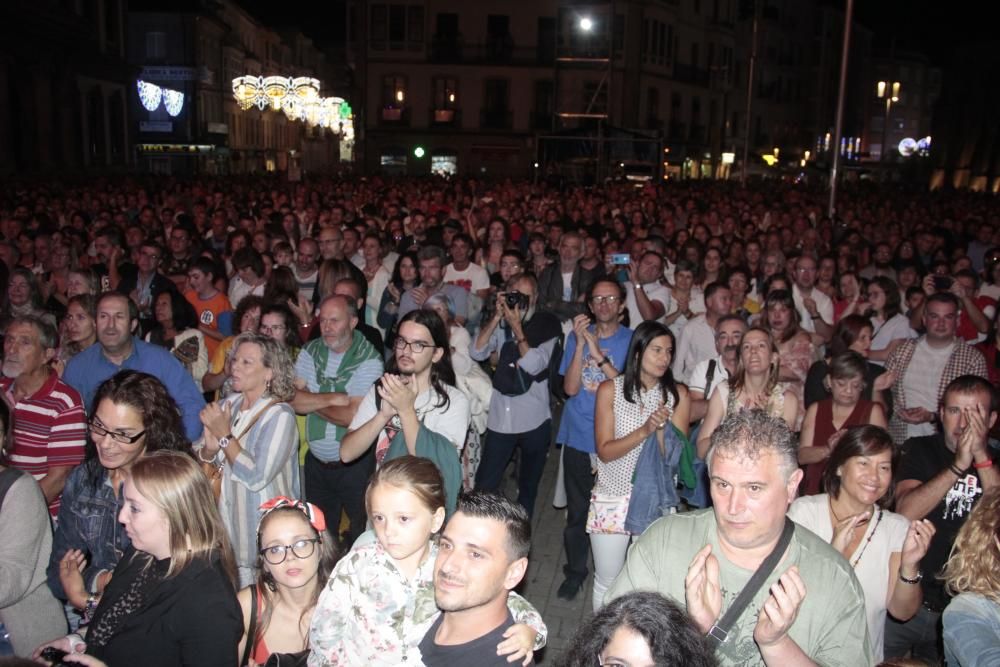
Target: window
{"type": "Point", "coordinates": [447, 27]}
{"type": "Point", "coordinates": [397, 23]}
{"type": "Point", "coordinates": [415, 24]}
{"type": "Point", "coordinates": [495, 98]}
{"type": "Point", "coordinates": [156, 45]}
{"type": "Point", "coordinates": [619, 33]}
{"type": "Point", "coordinates": [445, 93]}
{"type": "Point", "coordinates": [380, 24]}
{"type": "Point", "coordinates": [595, 97]}
{"type": "Point", "coordinates": [393, 91]}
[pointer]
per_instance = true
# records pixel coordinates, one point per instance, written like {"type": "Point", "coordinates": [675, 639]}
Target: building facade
{"type": "Point", "coordinates": [496, 88]}
{"type": "Point", "coordinates": [64, 87]}
{"type": "Point", "coordinates": [197, 49]}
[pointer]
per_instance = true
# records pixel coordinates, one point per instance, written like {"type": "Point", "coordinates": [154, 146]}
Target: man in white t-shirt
{"type": "Point", "coordinates": [468, 275]}
{"type": "Point", "coordinates": [924, 366]}
{"type": "Point", "coordinates": [815, 308]}
{"type": "Point", "coordinates": [697, 341]}
{"type": "Point", "coordinates": [411, 395]}
{"type": "Point", "coordinates": [710, 373]}
{"type": "Point", "coordinates": [646, 298]}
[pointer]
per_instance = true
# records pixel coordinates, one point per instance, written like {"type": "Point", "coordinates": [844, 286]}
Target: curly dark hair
{"type": "Point", "coordinates": [161, 418]}
{"type": "Point", "coordinates": [673, 639]}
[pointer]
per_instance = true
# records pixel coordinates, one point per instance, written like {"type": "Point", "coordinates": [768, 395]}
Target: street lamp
{"type": "Point", "coordinates": [889, 91]}
{"type": "Point", "coordinates": [586, 24]}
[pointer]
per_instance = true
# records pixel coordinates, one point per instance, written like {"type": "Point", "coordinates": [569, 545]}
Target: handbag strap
{"type": "Point", "coordinates": [252, 630]}
{"type": "Point", "coordinates": [720, 631]}
{"type": "Point", "coordinates": [245, 428]}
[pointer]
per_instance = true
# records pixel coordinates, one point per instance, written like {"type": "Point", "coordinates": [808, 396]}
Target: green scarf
{"type": "Point", "coordinates": [359, 352]}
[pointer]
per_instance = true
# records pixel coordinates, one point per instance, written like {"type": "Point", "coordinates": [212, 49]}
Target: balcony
{"type": "Point", "coordinates": [394, 117]}
{"type": "Point", "coordinates": [445, 118]}
{"type": "Point", "coordinates": [541, 120]}
{"type": "Point", "coordinates": [690, 74]}
{"type": "Point", "coordinates": [496, 119]}
{"type": "Point", "coordinates": [493, 52]}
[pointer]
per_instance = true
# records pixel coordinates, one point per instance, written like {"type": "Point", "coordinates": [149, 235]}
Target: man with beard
{"type": "Point", "coordinates": [333, 374]}
{"type": "Point", "coordinates": [416, 397]}
{"type": "Point", "coordinates": [49, 426]}
{"type": "Point", "coordinates": [482, 556]}
{"type": "Point", "coordinates": [431, 262]}
{"type": "Point", "coordinates": [881, 264]}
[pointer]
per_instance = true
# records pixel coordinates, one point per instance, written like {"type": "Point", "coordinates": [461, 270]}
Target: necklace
{"type": "Point", "coordinates": [868, 541]}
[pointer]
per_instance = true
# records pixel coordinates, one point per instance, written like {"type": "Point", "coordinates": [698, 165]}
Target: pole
{"type": "Point", "coordinates": [839, 122]}
{"type": "Point", "coordinates": [750, 73]}
{"type": "Point", "coordinates": [885, 123]}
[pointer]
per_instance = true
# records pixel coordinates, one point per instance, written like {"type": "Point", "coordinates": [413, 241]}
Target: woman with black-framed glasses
{"type": "Point", "coordinates": [133, 415]}
{"type": "Point", "coordinates": [295, 556]}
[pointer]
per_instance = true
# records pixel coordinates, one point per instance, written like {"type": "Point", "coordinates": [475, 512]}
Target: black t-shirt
{"type": "Point", "coordinates": [481, 652]}
{"type": "Point", "coordinates": [922, 459]}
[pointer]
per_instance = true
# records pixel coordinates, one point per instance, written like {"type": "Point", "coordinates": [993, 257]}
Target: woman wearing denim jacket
{"type": "Point", "coordinates": [133, 415]}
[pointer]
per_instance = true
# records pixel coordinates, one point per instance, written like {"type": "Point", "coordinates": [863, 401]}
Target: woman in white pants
{"type": "Point", "coordinates": [630, 408]}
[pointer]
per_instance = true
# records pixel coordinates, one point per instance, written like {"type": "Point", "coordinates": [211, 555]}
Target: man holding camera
{"type": "Point", "coordinates": [522, 340]}
{"type": "Point", "coordinates": [924, 366]}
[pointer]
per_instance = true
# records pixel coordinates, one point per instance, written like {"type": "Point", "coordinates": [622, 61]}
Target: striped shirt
{"type": "Point", "coordinates": [50, 429]}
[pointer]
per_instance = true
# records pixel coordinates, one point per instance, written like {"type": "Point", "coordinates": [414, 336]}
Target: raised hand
{"type": "Point", "coordinates": [918, 539]}
{"type": "Point", "coordinates": [398, 392]}
{"type": "Point", "coordinates": [702, 592]}
{"type": "Point", "coordinates": [843, 532]}
{"type": "Point", "coordinates": [71, 577]}
{"type": "Point", "coordinates": [781, 608]}
{"type": "Point", "coordinates": [217, 418]}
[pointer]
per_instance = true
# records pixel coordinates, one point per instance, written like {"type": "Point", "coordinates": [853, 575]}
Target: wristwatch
{"type": "Point", "coordinates": [225, 440]}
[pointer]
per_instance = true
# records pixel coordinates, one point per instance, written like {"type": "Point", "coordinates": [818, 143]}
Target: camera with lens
{"type": "Point", "coordinates": [516, 300]}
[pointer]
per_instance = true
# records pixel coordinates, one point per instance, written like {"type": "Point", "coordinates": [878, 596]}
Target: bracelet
{"type": "Point", "coordinates": [816, 316]}
{"type": "Point", "coordinates": [604, 360]}
{"type": "Point", "coordinates": [988, 463]}
{"type": "Point", "coordinates": [198, 454]}
{"type": "Point", "coordinates": [913, 582]}
{"type": "Point", "coordinates": [955, 469]}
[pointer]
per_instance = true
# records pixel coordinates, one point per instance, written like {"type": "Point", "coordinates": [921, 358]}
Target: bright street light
{"type": "Point", "coordinates": [586, 24]}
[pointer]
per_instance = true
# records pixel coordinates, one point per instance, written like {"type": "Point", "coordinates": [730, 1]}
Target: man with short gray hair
{"type": "Point", "coordinates": [810, 608]}
{"type": "Point", "coordinates": [50, 428]}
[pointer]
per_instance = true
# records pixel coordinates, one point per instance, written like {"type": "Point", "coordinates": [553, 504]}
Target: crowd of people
{"type": "Point", "coordinates": [248, 421]}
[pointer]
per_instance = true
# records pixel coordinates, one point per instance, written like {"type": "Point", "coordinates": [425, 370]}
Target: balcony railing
{"type": "Point", "coordinates": [394, 116]}
{"type": "Point", "coordinates": [690, 74]}
{"type": "Point", "coordinates": [494, 52]}
{"type": "Point", "coordinates": [445, 117]}
{"type": "Point", "coordinates": [496, 119]}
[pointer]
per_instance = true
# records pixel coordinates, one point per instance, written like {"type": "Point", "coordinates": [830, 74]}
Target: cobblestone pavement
{"type": "Point", "coordinates": [545, 567]}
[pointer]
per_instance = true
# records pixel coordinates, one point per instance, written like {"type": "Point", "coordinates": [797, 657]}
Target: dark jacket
{"type": "Point", "coordinates": [189, 620]}
{"type": "Point", "coordinates": [550, 290]}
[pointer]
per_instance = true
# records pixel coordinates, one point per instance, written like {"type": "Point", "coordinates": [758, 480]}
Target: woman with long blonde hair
{"type": "Point", "coordinates": [972, 619]}
{"type": "Point", "coordinates": [172, 598]}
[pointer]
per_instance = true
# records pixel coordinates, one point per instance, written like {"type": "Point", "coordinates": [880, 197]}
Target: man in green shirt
{"type": "Point", "coordinates": [810, 610]}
